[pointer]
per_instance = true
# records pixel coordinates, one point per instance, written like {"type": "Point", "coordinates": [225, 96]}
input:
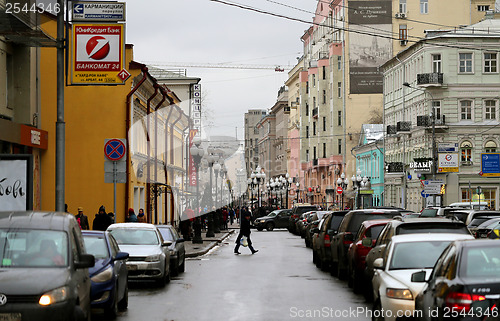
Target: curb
{"type": "Point", "coordinates": [212, 244]}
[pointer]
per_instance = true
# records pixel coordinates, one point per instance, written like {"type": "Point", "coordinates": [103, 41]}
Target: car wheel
{"type": "Point", "coordinates": [333, 269]}
{"type": "Point", "coordinates": [356, 283]}
{"type": "Point", "coordinates": [350, 277]}
{"type": "Point", "coordinates": [341, 273]}
{"type": "Point", "coordinates": [123, 303]}
{"type": "Point", "coordinates": [315, 257]}
{"type": "Point", "coordinates": [112, 311]}
{"type": "Point", "coordinates": [260, 228]}
{"type": "Point", "coordinates": [182, 267]}
{"type": "Point", "coordinates": [377, 311]}
{"type": "Point", "coordinates": [270, 226]}
{"type": "Point", "coordinates": [175, 270]}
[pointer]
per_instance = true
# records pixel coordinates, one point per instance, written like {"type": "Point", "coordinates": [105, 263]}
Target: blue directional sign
{"type": "Point", "coordinates": [424, 195]}
{"type": "Point", "coordinates": [490, 164]}
{"type": "Point", "coordinates": [98, 11]}
{"type": "Point", "coordinates": [78, 8]}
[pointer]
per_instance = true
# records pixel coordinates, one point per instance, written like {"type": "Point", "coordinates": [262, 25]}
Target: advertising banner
{"type": "Point", "coordinates": [448, 162]}
{"type": "Point", "coordinates": [16, 172]}
{"type": "Point", "coordinates": [490, 164]}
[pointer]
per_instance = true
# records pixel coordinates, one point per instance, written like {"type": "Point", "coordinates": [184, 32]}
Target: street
{"type": "Point", "coordinates": [280, 282]}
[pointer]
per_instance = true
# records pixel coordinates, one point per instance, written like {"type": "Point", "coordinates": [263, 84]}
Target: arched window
{"type": "Point", "coordinates": [466, 151]}
{"type": "Point", "coordinates": [490, 147]}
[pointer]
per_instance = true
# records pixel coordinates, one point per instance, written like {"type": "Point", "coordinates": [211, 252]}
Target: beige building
{"type": "Point", "coordinates": [252, 118]}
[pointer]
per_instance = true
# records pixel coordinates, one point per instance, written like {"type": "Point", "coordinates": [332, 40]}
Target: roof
{"type": "Point", "coordinates": [371, 133]}
{"type": "Point", "coordinates": [35, 220]}
{"type": "Point", "coordinates": [422, 237]}
{"type": "Point", "coordinates": [145, 226]}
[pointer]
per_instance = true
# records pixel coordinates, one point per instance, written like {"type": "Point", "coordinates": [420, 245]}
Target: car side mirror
{"type": "Point", "coordinates": [167, 243]}
{"type": "Point", "coordinates": [418, 276]}
{"type": "Point", "coordinates": [85, 261]}
{"type": "Point", "coordinates": [367, 242]}
{"type": "Point", "coordinates": [180, 240]}
{"type": "Point", "coordinates": [121, 256]}
{"type": "Point", "coordinates": [378, 263]}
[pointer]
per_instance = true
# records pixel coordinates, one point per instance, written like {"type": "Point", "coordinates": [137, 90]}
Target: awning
{"type": "Point", "coordinates": [20, 28]}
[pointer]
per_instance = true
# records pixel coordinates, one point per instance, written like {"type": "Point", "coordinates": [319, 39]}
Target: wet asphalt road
{"type": "Point", "coordinates": [280, 282]}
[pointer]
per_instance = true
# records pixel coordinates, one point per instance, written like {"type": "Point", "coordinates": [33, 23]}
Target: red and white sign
{"type": "Point", "coordinates": [124, 74]}
{"type": "Point", "coordinates": [98, 54]}
{"type": "Point", "coordinates": [339, 190]}
{"type": "Point", "coordinates": [192, 166]}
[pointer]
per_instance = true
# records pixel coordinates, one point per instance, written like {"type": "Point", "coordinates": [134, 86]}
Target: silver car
{"type": "Point", "coordinates": [149, 257]}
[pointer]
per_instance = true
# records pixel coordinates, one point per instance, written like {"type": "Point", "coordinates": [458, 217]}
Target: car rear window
{"type": "Point", "coordinates": [335, 222]}
{"type": "Point", "coordinates": [478, 221]}
{"type": "Point", "coordinates": [434, 227]}
{"type": "Point", "coordinates": [374, 231]}
{"type": "Point", "coordinates": [429, 212]}
{"type": "Point", "coordinates": [304, 209]}
{"type": "Point", "coordinates": [358, 218]}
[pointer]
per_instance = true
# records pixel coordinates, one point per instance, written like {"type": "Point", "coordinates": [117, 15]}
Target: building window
{"type": "Point", "coordinates": [465, 62]}
{"type": "Point", "coordinates": [402, 6]}
{"type": "Point", "coordinates": [339, 89]}
{"type": "Point", "coordinates": [307, 155]}
{"type": "Point", "coordinates": [307, 131]}
{"type": "Point", "coordinates": [324, 124]}
{"type": "Point", "coordinates": [437, 108]}
{"type": "Point", "coordinates": [314, 80]}
{"type": "Point", "coordinates": [314, 152]}
{"type": "Point", "coordinates": [314, 128]}
{"type": "Point", "coordinates": [403, 32]}
{"type": "Point", "coordinates": [324, 96]}
{"type": "Point", "coordinates": [490, 109]}
{"type": "Point", "coordinates": [340, 146]}
{"type": "Point", "coordinates": [490, 62]}
{"type": "Point", "coordinates": [339, 118]}
{"type": "Point", "coordinates": [424, 6]}
{"type": "Point", "coordinates": [483, 8]}
{"type": "Point", "coordinates": [339, 62]}
{"type": "Point", "coordinates": [307, 87]}
{"type": "Point", "coordinates": [307, 109]}
{"type": "Point", "coordinates": [324, 150]}
{"type": "Point", "coordinates": [466, 110]}
{"type": "Point", "coordinates": [490, 147]}
{"type": "Point", "coordinates": [314, 103]}
{"type": "Point", "coordinates": [324, 72]}
{"type": "Point", "coordinates": [436, 63]}
{"type": "Point", "coordinates": [466, 152]}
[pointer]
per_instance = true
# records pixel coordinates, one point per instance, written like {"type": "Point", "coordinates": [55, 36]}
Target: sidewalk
{"type": "Point", "coordinates": [193, 250]}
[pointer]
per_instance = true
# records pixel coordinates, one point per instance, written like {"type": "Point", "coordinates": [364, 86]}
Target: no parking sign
{"type": "Point", "coordinates": [114, 149]}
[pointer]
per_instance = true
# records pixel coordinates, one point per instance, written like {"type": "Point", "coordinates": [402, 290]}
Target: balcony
{"type": "Point", "coordinates": [315, 113]}
{"type": "Point", "coordinates": [441, 121]}
{"type": "Point", "coordinates": [396, 167]}
{"type": "Point", "coordinates": [286, 109]}
{"type": "Point", "coordinates": [391, 130]}
{"type": "Point", "coordinates": [423, 121]}
{"type": "Point", "coordinates": [430, 79]}
{"type": "Point", "coordinates": [403, 126]}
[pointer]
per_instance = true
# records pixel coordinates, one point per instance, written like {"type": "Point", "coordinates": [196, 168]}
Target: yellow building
{"type": "Point", "coordinates": [93, 114]}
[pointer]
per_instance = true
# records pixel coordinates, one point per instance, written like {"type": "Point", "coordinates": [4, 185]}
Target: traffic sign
{"type": "Point", "coordinates": [424, 195]}
{"type": "Point", "coordinates": [114, 149]}
{"type": "Point", "coordinates": [124, 74]}
{"type": "Point", "coordinates": [98, 11]}
{"type": "Point", "coordinates": [339, 190]}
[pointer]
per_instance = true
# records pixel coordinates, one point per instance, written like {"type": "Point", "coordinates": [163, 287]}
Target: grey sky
{"type": "Point", "coordinates": [202, 31]}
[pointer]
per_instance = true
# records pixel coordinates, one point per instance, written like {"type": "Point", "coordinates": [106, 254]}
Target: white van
{"type": "Point", "coordinates": [475, 205]}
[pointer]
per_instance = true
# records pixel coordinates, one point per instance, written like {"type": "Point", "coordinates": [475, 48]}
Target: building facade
{"type": "Point", "coordinates": [252, 118]}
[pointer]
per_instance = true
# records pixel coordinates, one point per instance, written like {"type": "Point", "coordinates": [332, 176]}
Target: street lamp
{"type": "Point", "coordinates": [217, 168]}
{"type": "Point", "coordinates": [211, 159]}
{"type": "Point", "coordinates": [197, 154]}
{"type": "Point", "coordinates": [297, 191]}
{"type": "Point", "coordinates": [287, 182]}
{"type": "Point", "coordinates": [343, 182]}
{"type": "Point", "coordinates": [433, 123]}
{"type": "Point", "coordinates": [358, 183]}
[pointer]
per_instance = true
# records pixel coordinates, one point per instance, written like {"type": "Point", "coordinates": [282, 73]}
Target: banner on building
{"type": "Point", "coordinates": [448, 162]}
{"type": "Point", "coordinates": [192, 166]}
{"type": "Point", "coordinates": [16, 182]}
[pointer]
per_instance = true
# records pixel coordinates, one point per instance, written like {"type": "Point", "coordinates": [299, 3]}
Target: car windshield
{"type": "Point", "coordinates": [429, 212]}
{"type": "Point", "coordinates": [478, 221]}
{"type": "Point", "coordinates": [416, 255]}
{"type": "Point", "coordinates": [272, 214]}
{"type": "Point", "coordinates": [434, 227]}
{"type": "Point", "coordinates": [481, 262]}
{"type": "Point", "coordinates": [97, 246]}
{"type": "Point", "coordinates": [33, 248]}
{"type": "Point", "coordinates": [166, 233]}
{"type": "Point", "coordinates": [374, 231]}
{"type": "Point", "coordinates": [358, 218]}
{"type": "Point", "coordinates": [131, 236]}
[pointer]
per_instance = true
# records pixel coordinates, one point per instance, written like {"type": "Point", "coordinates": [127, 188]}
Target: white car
{"type": "Point", "coordinates": [149, 255]}
{"type": "Point", "coordinates": [393, 292]}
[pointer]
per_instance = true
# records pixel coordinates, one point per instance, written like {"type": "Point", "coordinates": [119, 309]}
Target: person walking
{"type": "Point", "coordinates": [131, 217]}
{"type": "Point", "coordinates": [141, 218]}
{"type": "Point", "coordinates": [82, 219]}
{"type": "Point", "coordinates": [244, 231]}
{"type": "Point", "coordinates": [101, 220]}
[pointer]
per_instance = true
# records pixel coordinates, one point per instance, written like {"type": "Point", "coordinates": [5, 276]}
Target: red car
{"type": "Point", "coordinates": [365, 240]}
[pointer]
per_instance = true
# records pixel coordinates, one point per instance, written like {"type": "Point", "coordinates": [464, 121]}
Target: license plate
{"type": "Point", "coordinates": [129, 267]}
{"type": "Point", "coordinates": [10, 316]}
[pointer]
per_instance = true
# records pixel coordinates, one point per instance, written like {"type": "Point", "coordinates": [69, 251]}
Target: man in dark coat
{"type": "Point", "coordinates": [82, 219]}
{"type": "Point", "coordinates": [244, 231]}
{"type": "Point", "coordinates": [101, 220]}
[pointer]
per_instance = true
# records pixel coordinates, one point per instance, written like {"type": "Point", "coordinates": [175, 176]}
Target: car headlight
{"type": "Point", "coordinates": [153, 258]}
{"type": "Point", "coordinates": [54, 296]}
{"type": "Point", "coordinates": [403, 294]}
{"type": "Point", "coordinates": [104, 276]}
{"type": "Point", "coordinates": [262, 221]}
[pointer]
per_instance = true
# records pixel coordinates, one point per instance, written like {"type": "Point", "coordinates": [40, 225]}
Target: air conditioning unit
{"type": "Point", "coordinates": [403, 42]}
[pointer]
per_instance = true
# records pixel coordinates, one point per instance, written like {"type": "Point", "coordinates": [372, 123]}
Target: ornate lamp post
{"type": "Point", "coordinates": [211, 158]}
{"type": "Point", "coordinates": [287, 182]}
{"type": "Point", "coordinates": [343, 182]}
{"type": "Point", "coordinates": [217, 168]}
{"type": "Point", "coordinates": [197, 154]}
{"type": "Point", "coordinates": [297, 191]}
{"type": "Point", "coordinates": [359, 182]}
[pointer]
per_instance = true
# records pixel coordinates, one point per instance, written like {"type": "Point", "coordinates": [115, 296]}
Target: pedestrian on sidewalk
{"type": "Point", "coordinates": [131, 217]}
{"type": "Point", "coordinates": [101, 220]}
{"type": "Point", "coordinates": [82, 219]}
{"type": "Point", "coordinates": [244, 231]}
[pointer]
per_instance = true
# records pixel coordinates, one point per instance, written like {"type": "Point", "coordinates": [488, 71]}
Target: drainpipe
{"type": "Point", "coordinates": [172, 127]}
{"type": "Point", "coordinates": [164, 94]}
{"type": "Point", "coordinates": [148, 175]}
{"type": "Point", "coordinates": [166, 154]}
{"type": "Point", "coordinates": [127, 128]}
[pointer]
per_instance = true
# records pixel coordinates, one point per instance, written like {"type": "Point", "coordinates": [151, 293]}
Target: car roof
{"type": "Point", "coordinates": [144, 226]}
{"type": "Point", "coordinates": [88, 232]}
{"type": "Point", "coordinates": [381, 221]}
{"type": "Point", "coordinates": [35, 220]}
{"type": "Point", "coordinates": [478, 243]}
{"type": "Point", "coordinates": [418, 237]}
{"type": "Point", "coordinates": [417, 220]}
{"type": "Point", "coordinates": [163, 225]}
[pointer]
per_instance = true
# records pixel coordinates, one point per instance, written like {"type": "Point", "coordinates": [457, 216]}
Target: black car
{"type": "Point", "coordinates": [275, 219]}
{"type": "Point", "coordinates": [464, 283]}
{"type": "Point", "coordinates": [177, 248]}
{"type": "Point", "coordinates": [346, 232]}
{"type": "Point", "coordinates": [297, 210]}
{"type": "Point", "coordinates": [322, 239]}
{"type": "Point", "coordinates": [313, 222]}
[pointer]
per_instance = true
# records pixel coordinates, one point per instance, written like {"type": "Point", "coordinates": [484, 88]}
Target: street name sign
{"type": "Point", "coordinates": [98, 11]}
{"type": "Point", "coordinates": [432, 187]}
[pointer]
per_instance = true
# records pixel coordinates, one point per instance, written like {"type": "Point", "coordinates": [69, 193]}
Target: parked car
{"type": "Point", "coordinates": [177, 248]}
{"type": "Point", "coordinates": [149, 254]}
{"type": "Point", "coordinates": [302, 223]}
{"type": "Point", "coordinates": [313, 222]}
{"type": "Point", "coordinates": [43, 267]}
{"type": "Point", "coordinates": [322, 239]}
{"type": "Point", "coordinates": [393, 290]}
{"type": "Point", "coordinates": [401, 225]}
{"type": "Point", "coordinates": [275, 219]}
{"type": "Point", "coordinates": [464, 281]}
{"type": "Point", "coordinates": [297, 210]}
{"type": "Point", "coordinates": [475, 213]}
{"type": "Point", "coordinates": [439, 211]}
{"type": "Point", "coordinates": [109, 287]}
{"type": "Point", "coordinates": [471, 205]}
{"type": "Point", "coordinates": [480, 221]}
{"type": "Point", "coordinates": [485, 229]}
{"type": "Point", "coordinates": [363, 243]}
{"type": "Point", "coordinates": [346, 232]}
